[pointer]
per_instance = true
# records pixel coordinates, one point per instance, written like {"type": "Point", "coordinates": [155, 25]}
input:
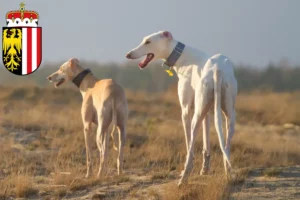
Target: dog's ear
{"type": "Point", "coordinates": [167, 34]}
{"type": "Point", "coordinates": [72, 63]}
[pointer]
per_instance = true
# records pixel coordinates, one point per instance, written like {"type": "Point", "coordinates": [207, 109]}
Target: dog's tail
{"type": "Point", "coordinates": [218, 114]}
{"type": "Point", "coordinates": [114, 124]}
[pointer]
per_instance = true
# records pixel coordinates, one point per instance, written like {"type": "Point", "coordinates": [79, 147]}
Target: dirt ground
{"type": "Point", "coordinates": [283, 183]}
{"type": "Point", "coordinates": [280, 183]}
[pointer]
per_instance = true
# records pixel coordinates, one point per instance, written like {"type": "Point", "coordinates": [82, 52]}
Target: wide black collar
{"type": "Point", "coordinates": [174, 56]}
{"type": "Point", "coordinates": [78, 79]}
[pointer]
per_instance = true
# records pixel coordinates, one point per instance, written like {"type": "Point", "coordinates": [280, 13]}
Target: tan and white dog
{"type": "Point", "coordinates": [203, 82]}
{"type": "Point", "coordinates": [104, 101]}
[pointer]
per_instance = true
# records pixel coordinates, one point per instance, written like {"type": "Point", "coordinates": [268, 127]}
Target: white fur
{"type": "Point", "coordinates": [203, 82]}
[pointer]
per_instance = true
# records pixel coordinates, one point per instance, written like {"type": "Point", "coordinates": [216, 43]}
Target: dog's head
{"type": "Point", "coordinates": [66, 72]}
{"type": "Point", "coordinates": [154, 46]}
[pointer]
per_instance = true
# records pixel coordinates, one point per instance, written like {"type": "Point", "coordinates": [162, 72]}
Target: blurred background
{"type": "Point", "coordinates": [260, 37]}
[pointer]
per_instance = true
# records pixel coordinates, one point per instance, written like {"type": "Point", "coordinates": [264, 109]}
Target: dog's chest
{"type": "Point", "coordinates": [195, 76]}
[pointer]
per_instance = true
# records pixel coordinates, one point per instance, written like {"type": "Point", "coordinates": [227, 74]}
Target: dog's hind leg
{"type": "Point", "coordinates": [229, 111]}
{"type": "Point", "coordinates": [206, 146]}
{"type": "Point", "coordinates": [202, 105]}
{"type": "Point", "coordinates": [102, 141]}
{"type": "Point", "coordinates": [121, 124]}
{"type": "Point", "coordinates": [87, 137]}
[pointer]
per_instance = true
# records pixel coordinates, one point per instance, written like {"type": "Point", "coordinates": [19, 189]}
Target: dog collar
{"type": "Point", "coordinates": [78, 79]}
{"type": "Point", "coordinates": [174, 56]}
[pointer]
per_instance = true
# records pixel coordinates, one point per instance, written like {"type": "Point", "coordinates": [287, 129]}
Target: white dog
{"type": "Point", "coordinates": [202, 81]}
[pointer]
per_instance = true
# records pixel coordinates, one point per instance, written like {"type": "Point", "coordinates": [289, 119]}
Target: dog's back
{"type": "Point", "coordinates": [107, 91]}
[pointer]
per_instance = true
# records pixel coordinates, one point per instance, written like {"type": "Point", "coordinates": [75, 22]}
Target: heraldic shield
{"type": "Point", "coordinates": [22, 49]}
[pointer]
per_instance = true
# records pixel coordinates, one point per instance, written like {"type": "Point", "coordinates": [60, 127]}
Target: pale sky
{"type": "Point", "coordinates": [252, 32]}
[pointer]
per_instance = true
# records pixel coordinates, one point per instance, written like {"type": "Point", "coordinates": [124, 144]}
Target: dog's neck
{"type": "Point", "coordinates": [189, 57]}
{"type": "Point", "coordinates": [78, 79]}
{"type": "Point", "coordinates": [174, 55]}
{"type": "Point", "coordinates": [88, 81]}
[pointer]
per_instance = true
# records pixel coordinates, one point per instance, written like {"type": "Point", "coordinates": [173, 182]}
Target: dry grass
{"type": "Point", "coordinates": [214, 187]}
{"type": "Point", "coordinates": [269, 108]}
{"type": "Point", "coordinates": [24, 187]}
{"type": "Point", "coordinates": [41, 136]}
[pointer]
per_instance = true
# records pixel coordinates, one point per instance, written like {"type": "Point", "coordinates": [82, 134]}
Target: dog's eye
{"type": "Point", "coordinates": [147, 42]}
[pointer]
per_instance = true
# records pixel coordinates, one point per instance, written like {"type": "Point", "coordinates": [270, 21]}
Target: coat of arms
{"type": "Point", "coordinates": [22, 41]}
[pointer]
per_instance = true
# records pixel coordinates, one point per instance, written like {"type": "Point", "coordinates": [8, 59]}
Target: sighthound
{"type": "Point", "coordinates": [202, 82]}
{"type": "Point", "coordinates": [104, 101]}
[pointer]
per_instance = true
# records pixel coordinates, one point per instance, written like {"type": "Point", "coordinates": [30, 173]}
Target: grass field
{"type": "Point", "coordinates": [43, 154]}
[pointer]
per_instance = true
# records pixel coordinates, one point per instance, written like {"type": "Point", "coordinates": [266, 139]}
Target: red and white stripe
{"type": "Point", "coordinates": [31, 49]}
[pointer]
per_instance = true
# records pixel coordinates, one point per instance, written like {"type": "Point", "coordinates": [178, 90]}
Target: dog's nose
{"type": "Point", "coordinates": [128, 55]}
{"type": "Point", "coordinates": [49, 78]}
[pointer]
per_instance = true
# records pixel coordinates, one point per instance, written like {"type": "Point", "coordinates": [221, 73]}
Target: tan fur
{"type": "Point", "coordinates": [103, 102]}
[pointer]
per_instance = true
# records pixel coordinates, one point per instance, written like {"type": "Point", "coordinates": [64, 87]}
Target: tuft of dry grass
{"type": "Point", "coordinates": [207, 188]}
{"type": "Point", "coordinates": [24, 187]}
{"type": "Point", "coordinates": [19, 185]}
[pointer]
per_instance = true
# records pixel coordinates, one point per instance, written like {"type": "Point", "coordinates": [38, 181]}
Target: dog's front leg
{"type": "Point", "coordinates": [186, 95]}
{"type": "Point", "coordinates": [186, 121]}
{"type": "Point", "coordinates": [87, 137]}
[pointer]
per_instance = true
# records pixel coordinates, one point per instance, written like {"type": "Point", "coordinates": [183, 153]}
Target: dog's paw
{"type": "Point", "coordinates": [204, 171]}
{"type": "Point", "coordinates": [181, 183]}
{"type": "Point", "coordinates": [181, 173]}
{"type": "Point", "coordinates": [229, 176]}
{"type": "Point", "coordinates": [120, 173]}
{"type": "Point", "coordinates": [87, 175]}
